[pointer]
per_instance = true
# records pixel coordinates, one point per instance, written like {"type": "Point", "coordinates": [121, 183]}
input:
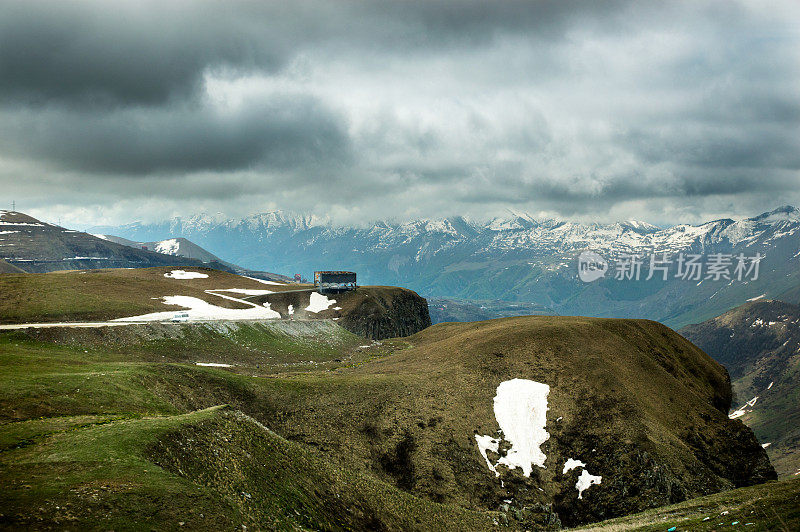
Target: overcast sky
{"type": "Point", "coordinates": [112, 112]}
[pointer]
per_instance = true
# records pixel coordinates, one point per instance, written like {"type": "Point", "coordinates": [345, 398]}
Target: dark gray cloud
{"type": "Point", "coordinates": [281, 134]}
{"type": "Point", "coordinates": [148, 52]}
{"type": "Point", "coordinates": [413, 108]}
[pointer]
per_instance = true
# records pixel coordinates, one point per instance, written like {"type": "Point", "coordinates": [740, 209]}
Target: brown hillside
{"type": "Point", "coordinates": [640, 405]}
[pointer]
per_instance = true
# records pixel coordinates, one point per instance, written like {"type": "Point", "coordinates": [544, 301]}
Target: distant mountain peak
{"type": "Point", "coordinates": [786, 213]}
{"type": "Point", "coordinates": [640, 226]}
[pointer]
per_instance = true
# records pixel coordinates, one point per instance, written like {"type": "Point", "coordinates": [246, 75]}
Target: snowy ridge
{"type": "Point", "coordinates": [519, 232]}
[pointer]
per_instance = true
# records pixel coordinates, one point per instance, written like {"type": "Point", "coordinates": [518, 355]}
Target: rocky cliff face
{"type": "Point", "coordinates": [385, 312]}
{"type": "Point", "coordinates": [375, 312]}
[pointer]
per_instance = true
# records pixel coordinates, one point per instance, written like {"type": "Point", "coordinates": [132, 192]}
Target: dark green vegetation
{"type": "Point", "coordinates": [118, 428]}
{"type": "Point", "coordinates": [759, 344]}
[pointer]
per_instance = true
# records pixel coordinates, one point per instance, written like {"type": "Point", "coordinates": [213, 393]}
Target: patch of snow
{"type": "Point", "coordinates": [487, 443]}
{"type": "Point", "coordinates": [757, 297]}
{"type": "Point", "coordinates": [246, 291]}
{"type": "Point", "coordinates": [181, 274]}
{"type": "Point", "coordinates": [101, 237]}
{"type": "Point", "coordinates": [318, 302]}
{"type": "Point", "coordinates": [765, 445]}
{"type": "Point", "coordinates": [571, 464]}
{"type": "Point", "coordinates": [291, 309]}
{"type": "Point", "coordinates": [520, 408]}
{"type": "Point", "coordinates": [202, 310]}
{"type": "Point", "coordinates": [213, 364]}
{"type": "Point", "coordinates": [8, 232]}
{"type": "Point", "coordinates": [585, 481]}
{"type": "Point", "coordinates": [743, 409]}
{"type": "Point", "coordinates": [262, 281]}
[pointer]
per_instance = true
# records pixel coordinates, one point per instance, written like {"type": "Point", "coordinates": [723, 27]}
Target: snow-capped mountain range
{"type": "Point", "coordinates": [517, 258]}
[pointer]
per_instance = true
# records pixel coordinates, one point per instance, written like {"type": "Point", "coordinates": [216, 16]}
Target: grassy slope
{"type": "Point", "coordinates": [90, 295]}
{"type": "Point", "coordinates": [79, 422]}
{"type": "Point", "coordinates": [211, 469]}
{"type": "Point", "coordinates": [113, 409]}
{"type": "Point", "coordinates": [770, 506]}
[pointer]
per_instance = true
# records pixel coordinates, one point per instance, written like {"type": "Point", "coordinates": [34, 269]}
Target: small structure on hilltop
{"type": "Point", "coordinates": [330, 281]}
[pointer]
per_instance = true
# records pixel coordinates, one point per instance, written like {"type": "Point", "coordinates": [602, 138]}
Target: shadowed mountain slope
{"type": "Point", "coordinates": [759, 343]}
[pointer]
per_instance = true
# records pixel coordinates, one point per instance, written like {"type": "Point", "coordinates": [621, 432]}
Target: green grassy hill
{"type": "Point", "coordinates": [111, 427]}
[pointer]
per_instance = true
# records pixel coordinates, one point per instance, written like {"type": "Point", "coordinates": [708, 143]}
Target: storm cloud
{"type": "Point", "coordinates": [142, 110]}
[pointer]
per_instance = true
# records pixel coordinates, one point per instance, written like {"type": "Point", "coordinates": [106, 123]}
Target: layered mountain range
{"type": "Point", "coordinates": [518, 258]}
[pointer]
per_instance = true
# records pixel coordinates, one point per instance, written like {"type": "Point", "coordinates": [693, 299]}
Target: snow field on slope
{"type": "Point", "coordinates": [520, 408]}
{"type": "Point", "coordinates": [182, 274]}
{"type": "Point", "coordinates": [318, 302]}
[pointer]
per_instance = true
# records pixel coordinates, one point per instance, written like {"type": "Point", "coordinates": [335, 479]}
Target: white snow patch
{"type": "Point", "coordinates": [520, 408]}
{"type": "Point", "coordinates": [743, 409]}
{"type": "Point", "coordinates": [571, 464]}
{"type": "Point", "coordinates": [487, 443]}
{"type": "Point", "coordinates": [213, 364]}
{"type": "Point", "coordinates": [101, 237]}
{"type": "Point", "coordinates": [246, 291]}
{"type": "Point", "coordinates": [181, 274]}
{"type": "Point", "coordinates": [202, 310]}
{"type": "Point", "coordinates": [318, 302]}
{"type": "Point", "coordinates": [8, 232]}
{"type": "Point", "coordinates": [765, 445]}
{"type": "Point", "coordinates": [757, 297]}
{"type": "Point", "coordinates": [586, 480]}
{"type": "Point", "coordinates": [262, 281]}
{"type": "Point", "coordinates": [291, 309]}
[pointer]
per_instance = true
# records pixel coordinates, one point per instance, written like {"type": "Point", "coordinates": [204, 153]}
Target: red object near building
{"type": "Point", "coordinates": [298, 278]}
